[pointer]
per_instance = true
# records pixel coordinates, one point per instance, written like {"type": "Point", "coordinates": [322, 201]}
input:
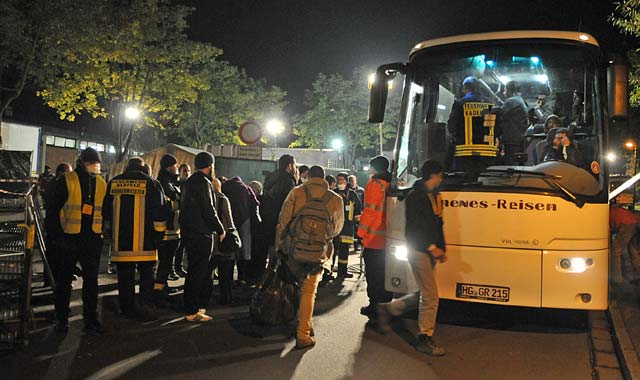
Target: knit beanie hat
{"type": "Point", "coordinates": [90, 155]}
{"type": "Point", "coordinates": [203, 160]}
{"type": "Point", "coordinates": [167, 160]}
{"type": "Point", "coordinates": [380, 163]}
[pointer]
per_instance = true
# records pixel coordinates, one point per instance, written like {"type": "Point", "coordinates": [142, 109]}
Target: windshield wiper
{"type": "Point", "coordinates": [551, 180]}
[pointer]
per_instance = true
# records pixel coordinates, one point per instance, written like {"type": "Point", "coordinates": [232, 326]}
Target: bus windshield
{"type": "Point", "coordinates": [510, 107]}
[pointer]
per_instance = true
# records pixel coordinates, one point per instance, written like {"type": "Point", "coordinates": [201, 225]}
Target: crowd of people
{"type": "Point", "coordinates": [227, 228]}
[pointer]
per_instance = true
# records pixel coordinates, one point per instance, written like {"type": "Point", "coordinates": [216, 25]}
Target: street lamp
{"type": "Point", "coordinates": [632, 145]}
{"type": "Point", "coordinates": [275, 128]}
{"type": "Point", "coordinates": [370, 82]}
{"type": "Point", "coordinates": [337, 145]}
{"type": "Point", "coordinates": [611, 157]}
{"type": "Point", "coordinates": [132, 113]}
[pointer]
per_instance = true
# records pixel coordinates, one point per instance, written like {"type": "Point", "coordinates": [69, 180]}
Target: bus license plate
{"type": "Point", "coordinates": [482, 292]}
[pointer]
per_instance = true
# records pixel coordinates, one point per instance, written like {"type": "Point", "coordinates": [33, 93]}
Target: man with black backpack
{"type": "Point", "coordinates": [311, 217]}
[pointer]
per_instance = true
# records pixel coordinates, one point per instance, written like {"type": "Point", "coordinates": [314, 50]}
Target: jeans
{"type": "Point", "coordinates": [374, 262]}
{"type": "Point", "coordinates": [427, 299]}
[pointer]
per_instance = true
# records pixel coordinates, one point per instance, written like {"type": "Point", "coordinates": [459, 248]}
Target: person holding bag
{"type": "Point", "coordinates": [223, 250]}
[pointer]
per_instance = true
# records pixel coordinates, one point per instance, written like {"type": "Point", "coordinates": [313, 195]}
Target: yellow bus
{"type": "Point", "coordinates": [522, 227]}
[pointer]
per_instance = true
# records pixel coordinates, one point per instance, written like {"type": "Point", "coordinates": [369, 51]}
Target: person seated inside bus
{"type": "Point", "coordinates": [562, 148]}
{"type": "Point", "coordinates": [512, 121]}
{"type": "Point", "coordinates": [552, 121]}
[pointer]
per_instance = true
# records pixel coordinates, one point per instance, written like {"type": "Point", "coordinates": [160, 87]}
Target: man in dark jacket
{"type": "Point", "coordinates": [168, 178]}
{"type": "Point", "coordinates": [276, 188]}
{"type": "Point", "coordinates": [244, 206]}
{"type": "Point", "coordinates": [199, 224]}
{"type": "Point", "coordinates": [77, 198]}
{"type": "Point", "coordinates": [135, 218]}
{"type": "Point", "coordinates": [426, 246]}
{"type": "Point", "coordinates": [512, 121]}
{"type": "Point", "coordinates": [53, 251]}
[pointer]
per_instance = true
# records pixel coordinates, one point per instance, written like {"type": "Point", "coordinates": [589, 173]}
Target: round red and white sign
{"type": "Point", "coordinates": [250, 132]}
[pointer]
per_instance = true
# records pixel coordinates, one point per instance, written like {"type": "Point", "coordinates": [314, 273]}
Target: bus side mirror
{"type": "Point", "coordinates": [379, 89]}
{"type": "Point", "coordinates": [617, 88]}
{"type": "Point", "coordinates": [378, 97]}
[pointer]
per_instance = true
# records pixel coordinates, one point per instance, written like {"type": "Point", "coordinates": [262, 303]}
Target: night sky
{"type": "Point", "coordinates": [289, 41]}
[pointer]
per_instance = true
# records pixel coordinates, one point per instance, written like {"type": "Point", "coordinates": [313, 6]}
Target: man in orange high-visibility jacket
{"type": "Point", "coordinates": [372, 230]}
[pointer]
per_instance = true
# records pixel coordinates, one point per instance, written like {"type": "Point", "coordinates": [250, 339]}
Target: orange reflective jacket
{"type": "Point", "coordinates": [373, 224]}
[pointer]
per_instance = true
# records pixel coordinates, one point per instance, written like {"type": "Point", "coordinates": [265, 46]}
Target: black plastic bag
{"type": "Point", "coordinates": [276, 298]}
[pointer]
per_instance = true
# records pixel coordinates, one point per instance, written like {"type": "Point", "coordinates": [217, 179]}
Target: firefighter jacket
{"type": "Point", "coordinates": [134, 206]}
{"type": "Point", "coordinates": [373, 223]}
{"type": "Point", "coordinates": [352, 209]}
{"type": "Point", "coordinates": [170, 186]}
{"type": "Point", "coordinates": [472, 126]}
{"type": "Point", "coordinates": [77, 199]}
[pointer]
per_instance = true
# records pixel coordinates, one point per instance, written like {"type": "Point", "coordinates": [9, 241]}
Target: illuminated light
{"type": "Point", "coordinates": [442, 107]}
{"type": "Point", "coordinates": [418, 46]}
{"type": "Point", "coordinates": [337, 144]}
{"type": "Point", "coordinates": [611, 157]}
{"type": "Point", "coordinates": [490, 63]}
{"type": "Point", "coordinates": [132, 113]}
{"type": "Point", "coordinates": [535, 60]}
{"type": "Point", "coordinates": [365, 168]}
{"type": "Point", "coordinates": [503, 79]}
{"type": "Point", "coordinates": [583, 37]}
{"type": "Point", "coordinates": [400, 252]}
{"type": "Point", "coordinates": [630, 144]}
{"type": "Point", "coordinates": [543, 78]}
{"type": "Point", "coordinates": [611, 62]}
{"type": "Point", "coordinates": [578, 265]}
{"type": "Point", "coordinates": [275, 127]}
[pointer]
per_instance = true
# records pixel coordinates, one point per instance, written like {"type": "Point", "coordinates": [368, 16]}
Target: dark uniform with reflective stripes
{"type": "Point", "coordinates": [343, 242]}
{"type": "Point", "coordinates": [77, 199]}
{"type": "Point", "coordinates": [134, 206]}
{"type": "Point", "coordinates": [472, 126]}
{"type": "Point", "coordinates": [169, 245]}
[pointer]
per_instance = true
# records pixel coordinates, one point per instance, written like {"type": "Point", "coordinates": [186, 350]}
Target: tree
{"type": "Point", "coordinates": [627, 19]}
{"type": "Point", "coordinates": [30, 31]}
{"type": "Point", "coordinates": [338, 110]}
{"type": "Point", "coordinates": [127, 54]}
{"type": "Point", "coordinates": [230, 98]}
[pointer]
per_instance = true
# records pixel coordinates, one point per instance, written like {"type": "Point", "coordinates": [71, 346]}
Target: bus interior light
{"type": "Point", "coordinates": [400, 252]}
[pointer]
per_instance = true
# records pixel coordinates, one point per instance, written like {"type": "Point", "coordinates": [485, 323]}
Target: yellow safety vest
{"type": "Point", "coordinates": [71, 213]}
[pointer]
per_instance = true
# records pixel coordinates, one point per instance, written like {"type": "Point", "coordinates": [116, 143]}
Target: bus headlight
{"type": "Point", "coordinates": [575, 264]}
{"type": "Point", "coordinates": [400, 252]}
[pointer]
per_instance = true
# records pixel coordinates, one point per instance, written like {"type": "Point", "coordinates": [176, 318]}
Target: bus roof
{"type": "Point", "coordinates": [508, 35]}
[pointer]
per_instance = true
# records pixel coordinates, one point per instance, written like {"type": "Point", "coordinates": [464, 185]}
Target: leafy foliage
{"type": "Point", "coordinates": [127, 53]}
{"type": "Point", "coordinates": [338, 108]}
{"type": "Point", "coordinates": [627, 19]}
{"type": "Point", "coordinates": [230, 98]}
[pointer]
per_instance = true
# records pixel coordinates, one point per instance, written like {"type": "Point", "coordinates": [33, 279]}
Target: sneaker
{"type": "Point", "coordinates": [426, 345]}
{"type": "Point", "coordinates": [384, 319]}
{"type": "Point", "coordinates": [170, 290]}
{"type": "Point", "coordinates": [94, 328]}
{"type": "Point", "coordinates": [305, 342]}
{"type": "Point", "coordinates": [345, 275]}
{"type": "Point", "coordinates": [181, 272]}
{"type": "Point", "coordinates": [173, 276]}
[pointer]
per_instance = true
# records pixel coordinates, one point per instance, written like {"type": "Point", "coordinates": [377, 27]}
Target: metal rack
{"type": "Point", "coordinates": [20, 226]}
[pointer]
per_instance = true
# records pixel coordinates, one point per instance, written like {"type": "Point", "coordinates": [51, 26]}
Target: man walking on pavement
{"type": "Point", "coordinates": [425, 241]}
{"type": "Point", "coordinates": [168, 178]}
{"type": "Point", "coordinates": [199, 224]}
{"type": "Point", "coordinates": [135, 218]}
{"type": "Point", "coordinates": [78, 200]}
{"type": "Point", "coordinates": [311, 217]}
{"type": "Point", "coordinates": [372, 230]}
